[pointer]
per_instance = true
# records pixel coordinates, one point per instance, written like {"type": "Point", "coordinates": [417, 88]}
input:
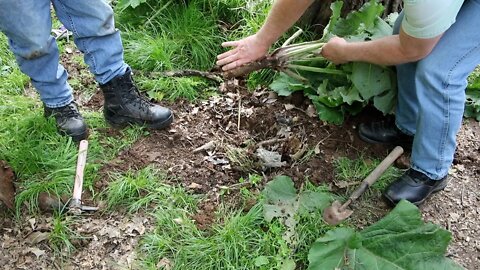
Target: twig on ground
{"type": "Point", "coordinates": [205, 147]}
{"type": "Point", "coordinates": [300, 153]}
{"type": "Point", "coordinates": [271, 141]}
{"type": "Point", "coordinates": [239, 112]}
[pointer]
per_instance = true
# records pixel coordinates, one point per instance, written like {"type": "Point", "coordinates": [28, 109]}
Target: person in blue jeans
{"type": "Point", "coordinates": [435, 46]}
{"type": "Point", "coordinates": [27, 24]}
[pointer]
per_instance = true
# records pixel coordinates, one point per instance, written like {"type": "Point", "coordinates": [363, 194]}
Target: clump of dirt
{"type": "Point", "coordinates": [7, 189]}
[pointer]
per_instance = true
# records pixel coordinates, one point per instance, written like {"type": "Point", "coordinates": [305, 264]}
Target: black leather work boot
{"type": "Point", "coordinates": [414, 187]}
{"type": "Point", "coordinates": [124, 105]}
{"type": "Point", "coordinates": [384, 132]}
{"type": "Point", "coordinates": [69, 121]}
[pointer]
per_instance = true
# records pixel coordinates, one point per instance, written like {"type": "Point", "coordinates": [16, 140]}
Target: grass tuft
{"type": "Point", "coordinates": [356, 170]}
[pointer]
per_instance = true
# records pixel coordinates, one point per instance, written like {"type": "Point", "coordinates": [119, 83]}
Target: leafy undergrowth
{"type": "Point", "coordinates": [285, 230]}
{"type": "Point", "coordinates": [343, 89]}
{"type": "Point", "coordinates": [472, 106]}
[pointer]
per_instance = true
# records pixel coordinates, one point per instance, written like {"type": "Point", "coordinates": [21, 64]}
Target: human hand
{"type": "Point", "coordinates": [245, 51]}
{"type": "Point", "coordinates": [334, 51]}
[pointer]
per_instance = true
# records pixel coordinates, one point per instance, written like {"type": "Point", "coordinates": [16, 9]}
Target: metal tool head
{"type": "Point", "coordinates": [335, 213]}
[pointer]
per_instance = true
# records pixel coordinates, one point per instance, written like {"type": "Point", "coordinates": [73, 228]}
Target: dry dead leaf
{"type": "Point", "coordinates": [194, 185]}
{"type": "Point", "coordinates": [36, 237]}
{"type": "Point", "coordinates": [311, 111]}
{"type": "Point", "coordinates": [164, 264]}
{"type": "Point", "coordinates": [38, 252]}
{"type": "Point", "coordinates": [7, 189]}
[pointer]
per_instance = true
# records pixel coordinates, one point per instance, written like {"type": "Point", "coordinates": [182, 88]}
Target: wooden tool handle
{"type": "Point", "coordinates": [377, 172]}
{"type": "Point", "coordinates": [81, 162]}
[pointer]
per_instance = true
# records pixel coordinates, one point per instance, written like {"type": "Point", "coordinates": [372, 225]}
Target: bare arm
{"type": "Point", "coordinates": [391, 50]}
{"type": "Point", "coordinates": [283, 15]}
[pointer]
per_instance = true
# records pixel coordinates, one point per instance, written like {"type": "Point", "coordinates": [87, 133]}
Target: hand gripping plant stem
{"type": "Point", "coordinates": [289, 59]}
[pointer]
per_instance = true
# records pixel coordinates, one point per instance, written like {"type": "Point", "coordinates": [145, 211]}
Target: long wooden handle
{"type": "Point", "coordinates": [81, 162]}
{"type": "Point", "coordinates": [377, 172]}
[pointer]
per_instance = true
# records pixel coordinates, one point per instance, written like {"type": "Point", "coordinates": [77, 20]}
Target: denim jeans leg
{"type": "Point", "coordinates": [441, 79]}
{"type": "Point", "coordinates": [93, 27]}
{"type": "Point", "coordinates": [407, 101]}
{"type": "Point", "coordinates": [27, 24]}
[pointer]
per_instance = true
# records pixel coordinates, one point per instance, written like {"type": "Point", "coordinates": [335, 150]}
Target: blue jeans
{"type": "Point", "coordinates": [431, 93]}
{"type": "Point", "coordinates": [27, 24]}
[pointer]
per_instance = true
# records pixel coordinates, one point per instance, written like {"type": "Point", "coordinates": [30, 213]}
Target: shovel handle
{"type": "Point", "coordinates": [376, 173]}
{"type": "Point", "coordinates": [81, 162]}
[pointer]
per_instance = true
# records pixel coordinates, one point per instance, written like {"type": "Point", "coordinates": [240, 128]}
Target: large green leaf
{"type": "Point", "coordinates": [400, 241]}
{"type": "Point", "coordinates": [357, 21]}
{"type": "Point", "coordinates": [328, 114]}
{"type": "Point", "coordinates": [370, 80]}
{"type": "Point", "coordinates": [283, 202]}
{"type": "Point", "coordinates": [386, 102]}
{"type": "Point", "coordinates": [285, 85]}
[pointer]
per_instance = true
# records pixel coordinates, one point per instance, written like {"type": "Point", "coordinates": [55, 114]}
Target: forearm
{"type": "Point", "coordinates": [390, 50]}
{"type": "Point", "coordinates": [282, 16]}
{"type": "Point", "coordinates": [386, 51]}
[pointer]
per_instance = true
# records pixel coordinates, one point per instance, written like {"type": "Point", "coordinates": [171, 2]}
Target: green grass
{"type": "Point", "coordinates": [12, 80]}
{"type": "Point", "coordinates": [237, 239]}
{"type": "Point", "coordinates": [172, 88]}
{"type": "Point", "coordinates": [140, 190]}
{"type": "Point", "coordinates": [61, 236]}
{"type": "Point", "coordinates": [45, 161]}
{"type": "Point", "coordinates": [356, 170]}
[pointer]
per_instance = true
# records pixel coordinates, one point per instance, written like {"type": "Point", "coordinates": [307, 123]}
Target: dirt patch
{"type": "Point", "coordinates": [7, 189]}
{"type": "Point", "coordinates": [306, 147]}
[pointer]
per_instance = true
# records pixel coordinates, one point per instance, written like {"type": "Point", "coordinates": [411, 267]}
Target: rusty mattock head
{"type": "Point", "coordinates": [336, 213]}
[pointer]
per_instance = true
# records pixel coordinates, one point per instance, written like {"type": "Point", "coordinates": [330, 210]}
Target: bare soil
{"type": "Point", "coordinates": [235, 125]}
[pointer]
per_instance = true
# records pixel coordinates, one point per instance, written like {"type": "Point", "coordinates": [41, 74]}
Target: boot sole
{"type": "Point", "coordinates": [76, 137]}
{"type": "Point", "coordinates": [125, 121]}
{"type": "Point", "coordinates": [435, 190]}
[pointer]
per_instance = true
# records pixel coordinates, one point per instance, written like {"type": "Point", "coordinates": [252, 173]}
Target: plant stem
{"type": "Point", "coordinates": [307, 59]}
{"type": "Point", "coordinates": [300, 50]}
{"type": "Point", "coordinates": [318, 70]}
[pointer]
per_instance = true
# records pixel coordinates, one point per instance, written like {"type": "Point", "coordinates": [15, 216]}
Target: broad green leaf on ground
{"type": "Point", "coordinates": [285, 85]}
{"type": "Point", "coordinates": [328, 114]}
{"type": "Point", "coordinates": [283, 202]}
{"type": "Point", "coordinates": [370, 80]}
{"type": "Point", "coordinates": [400, 241]}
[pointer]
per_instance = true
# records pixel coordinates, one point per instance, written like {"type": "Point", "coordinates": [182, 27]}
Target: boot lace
{"type": "Point", "coordinates": [68, 111]}
{"type": "Point", "coordinates": [134, 97]}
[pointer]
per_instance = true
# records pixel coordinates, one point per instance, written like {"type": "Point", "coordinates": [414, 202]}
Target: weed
{"type": "Point", "coordinates": [356, 170]}
{"type": "Point", "coordinates": [235, 244]}
{"type": "Point", "coordinates": [61, 236]}
{"type": "Point", "coordinates": [173, 88]}
{"type": "Point", "coordinates": [241, 159]}
{"type": "Point", "coordinates": [143, 189]}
